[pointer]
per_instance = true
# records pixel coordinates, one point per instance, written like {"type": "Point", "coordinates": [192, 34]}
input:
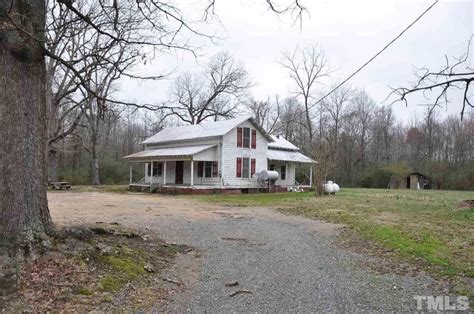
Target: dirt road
{"type": "Point", "coordinates": [282, 263]}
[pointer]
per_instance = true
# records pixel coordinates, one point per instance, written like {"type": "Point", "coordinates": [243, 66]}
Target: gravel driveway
{"type": "Point", "coordinates": [286, 264]}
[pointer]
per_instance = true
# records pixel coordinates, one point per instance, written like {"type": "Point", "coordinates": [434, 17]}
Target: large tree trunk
{"type": "Point", "coordinates": [24, 212]}
{"type": "Point", "coordinates": [95, 155]}
{"type": "Point", "coordinates": [95, 168]}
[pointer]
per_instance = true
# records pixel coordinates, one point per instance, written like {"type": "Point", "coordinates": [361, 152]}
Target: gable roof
{"type": "Point", "coordinates": [204, 130]}
{"type": "Point", "coordinates": [279, 142]}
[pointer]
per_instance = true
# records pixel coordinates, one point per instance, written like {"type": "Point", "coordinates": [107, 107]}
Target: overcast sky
{"type": "Point", "coordinates": [349, 32]}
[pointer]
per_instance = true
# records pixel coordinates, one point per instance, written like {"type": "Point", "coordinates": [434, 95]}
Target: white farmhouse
{"type": "Point", "coordinates": [222, 156]}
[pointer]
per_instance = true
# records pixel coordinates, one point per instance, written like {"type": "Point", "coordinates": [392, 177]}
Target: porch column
{"type": "Point", "coordinates": [311, 175]}
{"type": "Point", "coordinates": [131, 173]}
{"type": "Point", "coordinates": [164, 173]}
{"type": "Point", "coordinates": [151, 171]}
{"type": "Point", "coordinates": [192, 172]}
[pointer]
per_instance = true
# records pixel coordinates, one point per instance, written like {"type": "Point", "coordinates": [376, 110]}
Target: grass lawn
{"type": "Point", "coordinates": [423, 227]}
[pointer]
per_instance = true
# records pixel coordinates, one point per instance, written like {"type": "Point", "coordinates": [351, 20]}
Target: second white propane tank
{"type": "Point", "coordinates": [269, 175]}
{"type": "Point", "coordinates": [331, 187]}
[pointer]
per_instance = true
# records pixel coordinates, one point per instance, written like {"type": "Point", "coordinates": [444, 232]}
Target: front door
{"type": "Point", "coordinates": [179, 173]}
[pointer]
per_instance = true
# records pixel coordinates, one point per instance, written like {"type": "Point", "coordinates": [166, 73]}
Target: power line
{"type": "Point", "coordinates": [378, 53]}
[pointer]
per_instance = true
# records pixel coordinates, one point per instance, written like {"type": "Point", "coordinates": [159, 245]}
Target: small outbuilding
{"type": "Point", "coordinates": [414, 181]}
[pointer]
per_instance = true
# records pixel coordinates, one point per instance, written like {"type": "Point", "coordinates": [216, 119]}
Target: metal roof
{"type": "Point", "coordinates": [199, 131]}
{"type": "Point", "coordinates": [281, 143]}
{"type": "Point", "coordinates": [285, 155]}
{"type": "Point", "coordinates": [183, 151]}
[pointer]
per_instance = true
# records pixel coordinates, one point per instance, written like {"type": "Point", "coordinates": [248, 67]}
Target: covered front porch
{"type": "Point", "coordinates": [178, 167]}
{"type": "Point", "coordinates": [294, 168]}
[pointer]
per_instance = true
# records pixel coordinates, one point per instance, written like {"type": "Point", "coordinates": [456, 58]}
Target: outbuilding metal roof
{"type": "Point", "coordinates": [279, 142]}
{"type": "Point", "coordinates": [285, 155]}
{"type": "Point", "coordinates": [204, 130]}
{"type": "Point", "coordinates": [183, 151]}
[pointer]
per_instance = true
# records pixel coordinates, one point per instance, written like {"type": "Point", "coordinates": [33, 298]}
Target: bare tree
{"type": "Point", "coordinates": [382, 129]}
{"type": "Point", "coordinates": [455, 75]}
{"type": "Point", "coordinates": [430, 130]}
{"type": "Point", "coordinates": [266, 113]}
{"type": "Point", "coordinates": [335, 106]}
{"type": "Point", "coordinates": [96, 113]}
{"type": "Point", "coordinates": [306, 67]}
{"type": "Point", "coordinates": [362, 113]}
{"type": "Point", "coordinates": [325, 164]}
{"type": "Point", "coordinates": [157, 26]}
{"type": "Point", "coordinates": [213, 93]}
{"type": "Point", "coordinates": [291, 123]}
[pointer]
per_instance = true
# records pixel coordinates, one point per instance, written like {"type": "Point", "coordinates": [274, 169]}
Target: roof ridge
{"type": "Point", "coordinates": [209, 129]}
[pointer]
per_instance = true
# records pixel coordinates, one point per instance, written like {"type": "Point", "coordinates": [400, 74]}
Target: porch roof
{"type": "Point", "coordinates": [182, 152]}
{"type": "Point", "coordinates": [283, 155]}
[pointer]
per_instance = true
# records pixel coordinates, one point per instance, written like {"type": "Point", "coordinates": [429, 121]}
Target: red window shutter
{"type": "Point", "coordinates": [215, 170]}
{"type": "Point", "coordinates": [200, 169]}
{"type": "Point", "coordinates": [239, 168]}
{"type": "Point", "coordinates": [254, 138]}
{"type": "Point", "coordinates": [252, 166]}
{"type": "Point", "coordinates": [239, 137]}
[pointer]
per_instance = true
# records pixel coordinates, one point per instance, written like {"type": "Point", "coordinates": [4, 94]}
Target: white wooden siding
{"type": "Point", "coordinates": [230, 152]}
{"type": "Point", "coordinates": [171, 175]}
{"type": "Point", "coordinates": [290, 172]}
{"type": "Point", "coordinates": [211, 154]}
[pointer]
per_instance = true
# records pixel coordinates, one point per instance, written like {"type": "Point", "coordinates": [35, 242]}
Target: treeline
{"type": "Point", "coordinates": [355, 141]}
{"type": "Point", "coordinates": [363, 144]}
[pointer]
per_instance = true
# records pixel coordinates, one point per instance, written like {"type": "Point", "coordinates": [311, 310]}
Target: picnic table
{"type": "Point", "coordinates": [60, 185]}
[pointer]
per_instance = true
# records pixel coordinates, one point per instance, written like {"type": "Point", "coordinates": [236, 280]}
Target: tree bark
{"type": "Point", "coordinates": [24, 212]}
{"type": "Point", "coordinates": [95, 167]}
{"type": "Point", "coordinates": [94, 129]}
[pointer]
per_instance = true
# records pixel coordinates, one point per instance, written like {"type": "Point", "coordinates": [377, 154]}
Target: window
{"type": "Point", "coordinates": [272, 167]}
{"type": "Point", "coordinates": [245, 167]}
{"type": "Point", "coordinates": [246, 138]}
{"type": "Point", "coordinates": [254, 139]}
{"type": "Point", "coordinates": [283, 172]}
{"type": "Point", "coordinates": [157, 169]}
{"type": "Point", "coordinates": [239, 137]}
{"type": "Point", "coordinates": [200, 169]}
{"type": "Point", "coordinates": [208, 169]}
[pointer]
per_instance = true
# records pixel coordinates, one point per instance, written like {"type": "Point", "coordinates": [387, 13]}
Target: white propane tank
{"type": "Point", "coordinates": [331, 187]}
{"type": "Point", "coordinates": [269, 175]}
